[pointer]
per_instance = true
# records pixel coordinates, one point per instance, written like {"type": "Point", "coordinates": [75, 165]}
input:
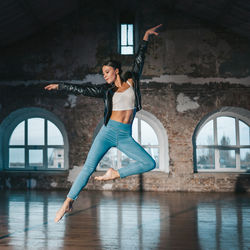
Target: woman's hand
{"type": "Point", "coordinates": [151, 31]}
{"type": "Point", "coordinates": [51, 86]}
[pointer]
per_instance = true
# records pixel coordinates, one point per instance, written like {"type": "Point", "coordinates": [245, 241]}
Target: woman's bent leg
{"type": "Point", "coordinates": [102, 143]}
{"type": "Point", "coordinates": [144, 161]}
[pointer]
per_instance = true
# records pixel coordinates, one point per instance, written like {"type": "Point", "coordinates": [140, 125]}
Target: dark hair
{"type": "Point", "coordinates": [114, 64]}
{"type": "Point", "coordinates": [117, 65]}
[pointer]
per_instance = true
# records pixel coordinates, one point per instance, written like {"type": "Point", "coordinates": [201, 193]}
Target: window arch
{"type": "Point", "coordinates": [150, 133]}
{"type": "Point", "coordinates": [33, 139]}
{"type": "Point", "coordinates": [222, 141]}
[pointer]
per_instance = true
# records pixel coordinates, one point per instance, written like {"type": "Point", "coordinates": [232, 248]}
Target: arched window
{"type": "Point", "coordinates": [148, 131]}
{"type": "Point", "coordinates": [222, 141]}
{"type": "Point", "coordinates": [33, 139]}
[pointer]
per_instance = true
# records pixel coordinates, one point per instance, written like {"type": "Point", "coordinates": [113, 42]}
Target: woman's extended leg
{"type": "Point", "coordinates": [143, 160]}
{"type": "Point", "coordinates": [102, 143]}
{"type": "Point", "coordinates": [125, 143]}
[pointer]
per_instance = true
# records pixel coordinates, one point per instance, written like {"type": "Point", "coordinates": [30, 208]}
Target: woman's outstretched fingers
{"type": "Point", "coordinates": [51, 86]}
{"type": "Point", "coordinates": [153, 30]}
{"type": "Point", "coordinates": [48, 87]}
{"type": "Point", "coordinates": [158, 26]}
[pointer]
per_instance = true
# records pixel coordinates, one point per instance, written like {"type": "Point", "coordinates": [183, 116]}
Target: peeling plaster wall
{"type": "Point", "coordinates": [77, 46]}
{"type": "Point", "coordinates": [190, 71]}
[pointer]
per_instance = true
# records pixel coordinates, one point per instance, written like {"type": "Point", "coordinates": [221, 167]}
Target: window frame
{"type": "Point", "coordinates": [8, 126]}
{"type": "Point", "coordinates": [236, 113]}
{"type": "Point", "coordinates": [127, 44]}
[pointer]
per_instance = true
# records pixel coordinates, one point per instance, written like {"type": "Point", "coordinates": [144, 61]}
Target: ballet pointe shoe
{"type": "Point", "coordinates": [65, 208]}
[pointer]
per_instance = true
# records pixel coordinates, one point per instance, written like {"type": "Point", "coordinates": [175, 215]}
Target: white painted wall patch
{"type": "Point", "coordinates": [73, 173]}
{"type": "Point", "coordinates": [71, 102]}
{"type": "Point", "coordinates": [107, 186]}
{"type": "Point", "coordinates": [184, 103]}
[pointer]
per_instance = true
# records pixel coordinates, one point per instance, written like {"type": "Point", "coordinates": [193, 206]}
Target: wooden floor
{"type": "Point", "coordinates": [125, 220]}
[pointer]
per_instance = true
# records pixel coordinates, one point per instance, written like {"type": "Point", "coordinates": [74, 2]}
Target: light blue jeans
{"type": "Point", "coordinates": [115, 134]}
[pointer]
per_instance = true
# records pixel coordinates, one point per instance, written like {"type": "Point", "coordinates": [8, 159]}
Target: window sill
{"type": "Point", "coordinates": [223, 172]}
{"type": "Point", "coordinates": [34, 172]}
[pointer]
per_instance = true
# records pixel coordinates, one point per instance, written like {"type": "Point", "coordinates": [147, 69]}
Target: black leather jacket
{"type": "Point", "coordinates": [106, 90]}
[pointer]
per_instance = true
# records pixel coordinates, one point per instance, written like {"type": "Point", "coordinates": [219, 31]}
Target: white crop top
{"type": "Point", "coordinates": [124, 100]}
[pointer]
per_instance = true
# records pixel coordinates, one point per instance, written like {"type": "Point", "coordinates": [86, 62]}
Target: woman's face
{"type": "Point", "coordinates": [109, 73]}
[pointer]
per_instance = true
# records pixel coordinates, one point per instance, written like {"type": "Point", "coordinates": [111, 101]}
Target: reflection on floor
{"type": "Point", "coordinates": [125, 220]}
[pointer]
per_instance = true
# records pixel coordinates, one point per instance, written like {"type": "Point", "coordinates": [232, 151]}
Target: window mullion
{"type": "Point", "coordinates": [45, 148]}
{"type": "Point", "coordinates": [249, 134]}
{"type": "Point", "coordinates": [216, 150]}
{"type": "Point", "coordinates": [26, 149]}
{"type": "Point", "coordinates": [127, 35]}
{"type": "Point", "coordinates": [139, 131]}
{"type": "Point", "coordinates": [237, 155]}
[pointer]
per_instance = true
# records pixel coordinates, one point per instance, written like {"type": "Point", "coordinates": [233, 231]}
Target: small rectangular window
{"type": "Point", "coordinates": [127, 39]}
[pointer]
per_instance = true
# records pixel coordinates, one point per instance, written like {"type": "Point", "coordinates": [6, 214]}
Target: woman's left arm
{"type": "Point", "coordinates": [140, 56]}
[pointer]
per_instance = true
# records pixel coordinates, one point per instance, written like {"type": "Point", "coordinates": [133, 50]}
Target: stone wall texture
{"type": "Point", "coordinates": [190, 70]}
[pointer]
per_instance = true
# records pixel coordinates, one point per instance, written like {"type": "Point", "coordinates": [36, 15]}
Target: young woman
{"type": "Point", "coordinates": [122, 100]}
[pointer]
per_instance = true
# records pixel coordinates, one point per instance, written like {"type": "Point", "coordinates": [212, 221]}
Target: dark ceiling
{"type": "Point", "coordinates": [233, 15]}
{"type": "Point", "coordinates": [21, 18]}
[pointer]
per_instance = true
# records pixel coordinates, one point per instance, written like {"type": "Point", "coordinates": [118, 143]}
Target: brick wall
{"type": "Point", "coordinates": [190, 70]}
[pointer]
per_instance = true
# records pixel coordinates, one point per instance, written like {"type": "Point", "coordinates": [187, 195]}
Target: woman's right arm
{"type": "Point", "coordinates": [86, 89]}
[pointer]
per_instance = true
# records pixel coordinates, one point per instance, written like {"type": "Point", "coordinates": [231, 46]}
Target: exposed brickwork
{"type": "Point", "coordinates": [158, 99]}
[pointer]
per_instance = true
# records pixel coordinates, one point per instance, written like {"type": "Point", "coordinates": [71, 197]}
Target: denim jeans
{"type": "Point", "coordinates": [115, 134]}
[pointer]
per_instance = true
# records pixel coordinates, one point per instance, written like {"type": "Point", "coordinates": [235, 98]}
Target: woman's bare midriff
{"type": "Point", "coordinates": [123, 116]}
